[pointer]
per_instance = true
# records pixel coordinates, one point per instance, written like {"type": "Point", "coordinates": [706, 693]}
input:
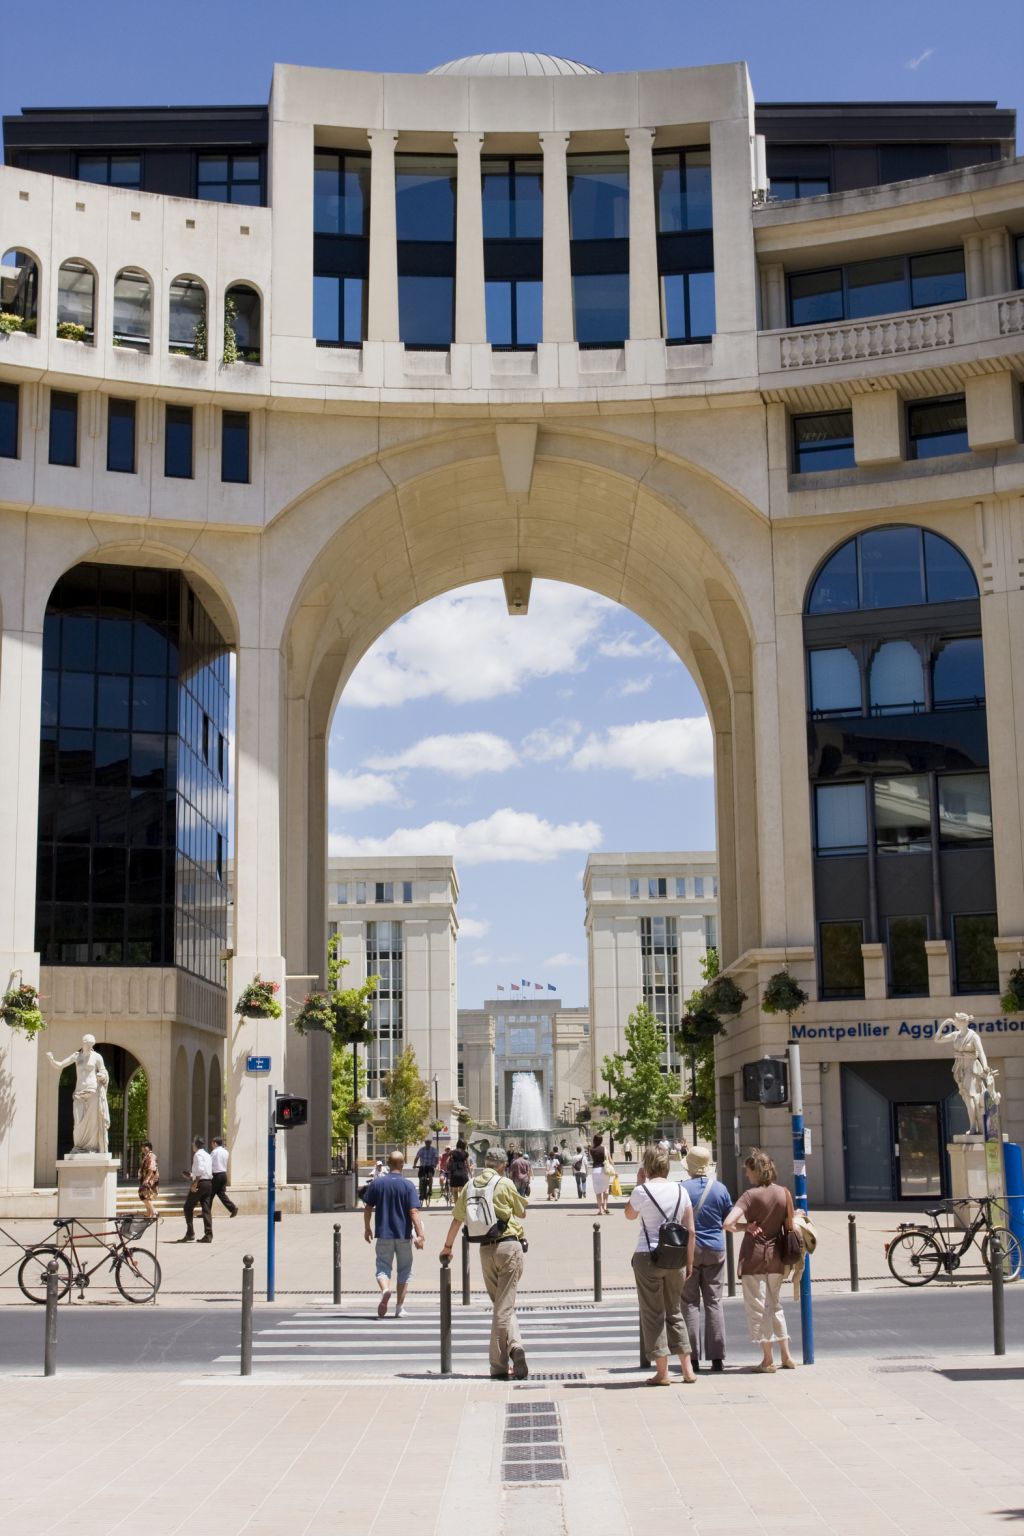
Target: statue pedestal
{"type": "Point", "coordinates": [967, 1167]}
{"type": "Point", "coordinates": [87, 1186]}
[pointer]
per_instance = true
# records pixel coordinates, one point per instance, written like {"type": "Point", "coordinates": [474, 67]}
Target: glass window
{"type": "Point", "coordinates": [841, 822]}
{"type": "Point", "coordinates": [698, 887]}
{"type": "Point", "coordinates": [111, 170]}
{"type": "Point", "coordinates": [681, 885]}
{"type": "Point", "coordinates": [361, 892]}
{"type": "Point", "coordinates": [426, 311]}
{"type": "Point", "coordinates": [835, 683]}
{"type": "Point", "coordinates": [229, 179]}
{"type": "Point", "coordinates": [904, 162]}
{"type": "Point", "coordinates": [121, 436]}
{"type": "Point", "coordinates": [842, 959]}
{"type": "Point", "coordinates": [949, 576]}
{"type": "Point", "coordinates": [514, 312]}
{"type": "Point", "coordinates": [784, 187]}
{"type": "Point", "coordinates": [178, 442]}
{"type": "Point", "coordinates": [19, 288]}
{"type": "Point", "coordinates": [384, 891]}
{"type": "Point", "coordinates": [816, 297]}
{"type": "Point", "coordinates": [513, 206]}
{"type": "Point", "coordinates": [965, 809]}
{"type": "Point", "coordinates": [133, 305]}
{"type": "Point", "coordinates": [891, 571]}
{"type": "Point", "coordinates": [242, 315]}
{"type": "Point", "coordinates": [425, 197]}
{"type": "Point", "coordinates": [634, 889]}
{"type": "Point", "coordinates": [937, 427]}
{"type": "Point", "coordinates": [937, 278]}
{"type": "Point", "coordinates": [187, 334]}
{"type": "Point", "coordinates": [687, 306]}
{"type": "Point", "coordinates": [1020, 261]}
{"type": "Point", "coordinates": [823, 442]}
{"type": "Point", "coordinates": [975, 965]}
{"type": "Point", "coordinates": [835, 589]}
{"type": "Point", "coordinates": [76, 298]}
{"type": "Point", "coordinates": [896, 679]}
{"type": "Point", "coordinates": [892, 568]}
{"type": "Point", "coordinates": [876, 287]}
{"type": "Point", "coordinates": [9, 402]}
{"type": "Point", "coordinates": [407, 890]}
{"type": "Point", "coordinates": [682, 190]}
{"type": "Point", "coordinates": [234, 447]}
{"type": "Point", "coordinates": [601, 307]}
{"type": "Point", "coordinates": [63, 428]}
{"type": "Point", "coordinates": [903, 814]}
{"type": "Point", "coordinates": [958, 675]}
{"type": "Point", "coordinates": [657, 887]}
{"type": "Point", "coordinates": [908, 959]}
{"type": "Point", "coordinates": [341, 193]}
{"type": "Point", "coordinates": [599, 197]}
{"type": "Point", "coordinates": [339, 309]}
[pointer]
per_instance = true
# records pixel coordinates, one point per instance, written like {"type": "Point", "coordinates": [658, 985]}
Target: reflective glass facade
{"type": "Point", "coordinates": [513, 221]}
{"type": "Point", "coordinates": [341, 247]}
{"type": "Point", "coordinates": [384, 959]}
{"type": "Point", "coordinates": [686, 262]}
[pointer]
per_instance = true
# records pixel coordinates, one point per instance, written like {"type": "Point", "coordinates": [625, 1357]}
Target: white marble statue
{"type": "Point", "coordinates": [972, 1074]}
{"type": "Point", "coordinates": [92, 1114]}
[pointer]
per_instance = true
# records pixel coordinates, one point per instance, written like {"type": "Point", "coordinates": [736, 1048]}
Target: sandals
{"type": "Point", "coordinates": [658, 1381]}
{"type": "Point", "coordinates": [766, 1368]}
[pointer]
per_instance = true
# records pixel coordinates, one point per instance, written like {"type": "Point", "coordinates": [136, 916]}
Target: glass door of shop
{"type": "Point", "coordinates": [919, 1151]}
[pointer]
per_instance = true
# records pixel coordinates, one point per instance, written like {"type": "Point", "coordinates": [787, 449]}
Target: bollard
{"type": "Point", "coordinates": [645, 1364]}
{"type": "Point", "coordinates": [446, 1315]}
{"type": "Point", "coordinates": [854, 1266]}
{"type": "Point", "coordinates": [337, 1264]}
{"type": "Point", "coordinates": [730, 1265]}
{"type": "Point", "coordinates": [50, 1339]}
{"type": "Point", "coordinates": [248, 1282]}
{"type": "Point", "coordinates": [995, 1259]}
{"type": "Point", "coordinates": [597, 1261]}
{"type": "Point", "coordinates": [465, 1268]}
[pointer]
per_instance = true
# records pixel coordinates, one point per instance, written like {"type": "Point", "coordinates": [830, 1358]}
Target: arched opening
{"type": "Point", "coordinates": [242, 325]}
{"type": "Point", "coordinates": [186, 331]}
{"type": "Point", "coordinates": [133, 310]}
{"type": "Point", "coordinates": [76, 302]}
{"type": "Point", "coordinates": [19, 292]}
{"type": "Point", "coordinates": [215, 1117]}
{"type": "Point", "coordinates": [127, 1093]}
{"type": "Point", "coordinates": [199, 1105]}
{"type": "Point", "coordinates": [181, 1135]}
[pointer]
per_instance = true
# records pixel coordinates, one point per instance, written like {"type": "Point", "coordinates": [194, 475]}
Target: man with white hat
{"type": "Point", "coordinates": [711, 1203]}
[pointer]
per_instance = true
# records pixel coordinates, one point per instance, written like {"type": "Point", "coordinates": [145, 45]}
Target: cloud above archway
{"type": "Point", "coordinates": [505, 836]}
{"type": "Point", "coordinates": [651, 749]}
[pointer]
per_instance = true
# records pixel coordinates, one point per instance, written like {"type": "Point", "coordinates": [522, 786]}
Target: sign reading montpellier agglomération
{"type": "Point", "coordinates": [865, 1030]}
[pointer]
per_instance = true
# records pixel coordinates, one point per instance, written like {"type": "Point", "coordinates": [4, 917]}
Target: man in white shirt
{"type": "Point", "coordinates": [219, 1163]}
{"type": "Point", "coordinates": [200, 1193]}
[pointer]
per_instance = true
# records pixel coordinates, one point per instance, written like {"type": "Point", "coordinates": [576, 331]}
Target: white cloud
{"type": "Point", "coordinates": [561, 961]}
{"type": "Point", "coordinates": [462, 755]}
{"type": "Point", "coordinates": [921, 58]}
{"type": "Point", "coordinates": [357, 791]}
{"type": "Point", "coordinates": [506, 836]}
{"type": "Point", "coordinates": [547, 743]}
{"type": "Point", "coordinates": [629, 647]}
{"type": "Point", "coordinates": [473, 927]}
{"type": "Point", "coordinates": [636, 685]}
{"type": "Point", "coordinates": [464, 646]}
{"type": "Point", "coordinates": [652, 749]}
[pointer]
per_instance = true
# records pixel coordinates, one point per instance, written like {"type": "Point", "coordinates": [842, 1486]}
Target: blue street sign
{"type": "Point", "coordinates": [257, 1063]}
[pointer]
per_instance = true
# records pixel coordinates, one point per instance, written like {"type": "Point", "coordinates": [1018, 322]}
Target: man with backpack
{"type": "Point", "coordinates": [491, 1208]}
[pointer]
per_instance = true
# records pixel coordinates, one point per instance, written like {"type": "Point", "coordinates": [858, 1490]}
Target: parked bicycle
{"type": "Point", "coordinates": [136, 1270]}
{"type": "Point", "coordinates": [917, 1254]}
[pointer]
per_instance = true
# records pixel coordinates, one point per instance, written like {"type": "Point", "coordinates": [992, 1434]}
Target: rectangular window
{"type": "Point", "coordinates": [407, 890]}
{"type": "Point", "coordinates": [903, 814]}
{"type": "Point", "coordinates": [513, 199]}
{"type": "Point", "coordinates": [698, 887]}
{"type": "Point", "coordinates": [815, 298]}
{"type": "Point", "coordinates": [384, 890]}
{"type": "Point", "coordinates": [601, 307]}
{"type": "Point", "coordinates": [657, 886]}
{"type": "Point", "coordinates": [908, 959]}
{"type": "Point", "coordinates": [785, 187]}
{"type": "Point", "coordinates": [234, 447]}
{"type": "Point", "coordinates": [975, 965]}
{"type": "Point", "coordinates": [425, 197]}
{"type": "Point", "coordinates": [937, 427]}
{"type": "Point", "coordinates": [965, 810]}
{"type": "Point", "coordinates": [339, 310]}
{"type": "Point", "coordinates": [230, 179]}
{"type": "Point", "coordinates": [360, 892]}
{"type": "Point", "coordinates": [634, 889]}
{"type": "Point", "coordinates": [840, 814]}
{"type": "Point", "coordinates": [341, 193]}
{"type": "Point", "coordinates": [426, 310]}
{"type": "Point", "coordinates": [823, 442]}
{"type": "Point", "coordinates": [63, 428]}
{"type": "Point", "coordinates": [885, 286]}
{"type": "Point", "coordinates": [9, 403]}
{"type": "Point", "coordinates": [599, 197]}
{"type": "Point", "coordinates": [178, 442]}
{"type": "Point", "coordinates": [599, 248]}
{"type": "Point", "coordinates": [514, 312]}
{"type": "Point", "coordinates": [1020, 261]}
{"type": "Point", "coordinates": [681, 886]}
{"type": "Point", "coordinates": [121, 436]}
{"type": "Point", "coordinates": [687, 306]}
{"type": "Point", "coordinates": [842, 960]}
{"type": "Point", "coordinates": [710, 933]}
{"type": "Point", "coordinates": [682, 190]}
{"type": "Point", "coordinates": [111, 170]}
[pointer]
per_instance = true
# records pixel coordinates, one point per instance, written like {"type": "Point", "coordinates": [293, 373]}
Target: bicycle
{"type": "Point", "coordinates": [136, 1270]}
{"type": "Point", "coordinates": [918, 1253]}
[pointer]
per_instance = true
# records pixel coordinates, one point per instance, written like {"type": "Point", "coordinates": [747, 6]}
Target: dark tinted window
{"type": "Point", "coordinates": [601, 305]}
{"type": "Point", "coordinates": [884, 286]}
{"type": "Point", "coordinates": [948, 575]}
{"type": "Point", "coordinates": [975, 966]}
{"type": "Point", "coordinates": [908, 959]}
{"type": "Point", "coordinates": [815, 297]}
{"type": "Point", "coordinates": [937, 279]}
{"type": "Point", "coordinates": [688, 306]}
{"type": "Point", "coordinates": [892, 567]}
{"type": "Point", "coordinates": [513, 199]}
{"type": "Point", "coordinates": [682, 190]}
{"type": "Point", "coordinates": [965, 810]}
{"type": "Point", "coordinates": [902, 814]}
{"type": "Point", "coordinates": [111, 170]}
{"type": "Point", "coordinates": [178, 442]}
{"type": "Point", "coordinates": [599, 197]}
{"type": "Point", "coordinates": [426, 310]}
{"type": "Point", "coordinates": [823, 442]}
{"type": "Point", "coordinates": [840, 815]}
{"type": "Point", "coordinates": [842, 961]}
{"type": "Point", "coordinates": [958, 675]}
{"type": "Point", "coordinates": [425, 197]}
{"type": "Point", "coordinates": [121, 436]}
{"type": "Point", "coordinates": [8, 421]}
{"type": "Point", "coordinates": [835, 683]}
{"type": "Point", "coordinates": [836, 589]}
{"type": "Point", "coordinates": [234, 447]}
{"type": "Point", "coordinates": [937, 427]}
{"type": "Point", "coordinates": [876, 287]}
{"type": "Point", "coordinates": [63, 428]}
{"type": "Point", "coordinates": [514, 312]}
{"type": "Point", "coordinates": [339, 309]}
{"type": "Point", "coordinates": [229, 179]}
{"type": "Point", "coordinates": [902, 162]}
{"type": "Point", "coordinates": [341, 193]}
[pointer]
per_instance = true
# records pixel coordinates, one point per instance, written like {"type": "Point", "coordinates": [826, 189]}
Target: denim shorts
{"type": "Point", "coordinates": [390, 1249]}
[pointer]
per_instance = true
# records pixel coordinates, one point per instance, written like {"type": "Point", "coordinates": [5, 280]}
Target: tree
{"type": "Point", "coordinates": [698, 1029]}
{"type": "Point", "coordinates": [138, 1106]}
{"type": "Point", "coordinates": [406, 1109]}
{"type": "Point", "coordinates": [341, 1089]}
{"type": "Point", "coordinates": [641, 1096]}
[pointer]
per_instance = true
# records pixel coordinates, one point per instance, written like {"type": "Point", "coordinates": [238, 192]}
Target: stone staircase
{"type": "Point", "coordinates": [168, 1202]}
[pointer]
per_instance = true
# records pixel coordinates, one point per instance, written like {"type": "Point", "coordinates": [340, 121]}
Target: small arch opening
{"type": "Point", "coordinates": [76, 302]}
{"type": "Point", "coordinates": [133, 310]}
{"type": "Point", "coordinates": [242, 325]}
{"type": "Point", "coordinates": [187, 333]}
{"type": "Point", "coordinates": [19, 292]}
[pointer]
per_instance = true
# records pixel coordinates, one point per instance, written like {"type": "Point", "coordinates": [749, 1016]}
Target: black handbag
{"type": "Point", "coordinates": [673, 1244]}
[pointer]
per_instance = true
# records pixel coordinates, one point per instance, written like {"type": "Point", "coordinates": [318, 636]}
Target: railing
{"type": "Point", "coordinates": [861, 340]}
{"type": "Point", "coordinates": [1011, 316]}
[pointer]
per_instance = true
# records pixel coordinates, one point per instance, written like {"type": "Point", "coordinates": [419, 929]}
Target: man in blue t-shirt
{"type": "Point", "coordinates": [711, 1203]}
{"type": "Point", "coordinates": [397, 1204]}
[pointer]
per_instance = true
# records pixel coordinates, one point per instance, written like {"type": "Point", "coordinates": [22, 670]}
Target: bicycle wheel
{"type": "Point", "coordinates": [32, 1273]}
{"type": "Point", "coordinates": [914, 1258]}
{"type": "Point", "coordinates": [137, 1274]}
{"type": "Point", "coordinates": [1009, 1247]}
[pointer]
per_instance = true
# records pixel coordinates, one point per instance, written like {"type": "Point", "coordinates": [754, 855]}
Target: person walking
{"type": "Point", "coordinates": [426, 1161]}
{"type": "Point", "coordinates": [396, 1202]}
{"type": "Point", "coordinates": [553, 1169]}
{"type": "Point", "coordinates": [711, 1203]}
{"type": "Point", "coordinates": [599, 1174]}
{"type": "Point", "coordinates": [200, 1192]}
{"type": "Point", "coordinates": [501, 1263]}
{"type": "Point", "coordinates": [521, 1174]}
{"type": "Point", "coordinates": [579, 1173]}
{"type": "Point", "coordinates": [458, 1167]}
{"type": "Point", "coordinates": [219, 1164]}
{"type": "Point", "coordinates": [764, 1211]}
{"type": "Point", "coordinates": [149, 1179]}
{"type": "Point", "coordinates": [659, 1290]}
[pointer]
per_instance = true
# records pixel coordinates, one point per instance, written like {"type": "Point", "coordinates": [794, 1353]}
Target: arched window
{"type": "Point", "coordinates": [958, 675]}
{"type": "Point", "coordinates": [76, 302]}
{"type": "Point", "coordinates": [896, 684]}
{"type": "Point", "coordinates": [19, 292]}
{"type": "Point", "coordinates": [891, 568]}
{"type": "Point", "coordinates": [242, 323]}
{"type": "Point", "coordinates": [186, 335]}
{"type": "Point", "coordinates": [835, 683]}
{"type": "Point", "coordinates": [133, 310]}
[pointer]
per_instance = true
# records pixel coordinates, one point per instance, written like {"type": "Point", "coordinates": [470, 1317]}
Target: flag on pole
{"type": "Point", "coordinates": [514, 987]}
{"type": "Point", "coordinates": [552, 988]}
{"type": "Point", "coordinates": [538, 986]}
{"type": "Point", "coordinates": [523, 981]}
{"type": "Point", "coordinates": [500, 987]}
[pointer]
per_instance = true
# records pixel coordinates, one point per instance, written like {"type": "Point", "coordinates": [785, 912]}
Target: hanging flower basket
{"type": "Point", "coordinates": [258, 1000]}
{"type": "Point", "coordinates": [698, 1026]}
{"type": "Point", "coordinates": [1012, 1000]}
{"type": "Point", "coordinates": [583, 1116]}
{"type": "Point", "coordinates": [315, 1014]}
{"type": "Point", "coordinates": [358, 1113]}
{"type": "Point", "coordinates": [782, 994]}
{"type": "Point", "coordinates": [722, 995]}
{"type": "Point", "coordinates": [437, 1126]}
{"type": "Point", "coordinates": [20, 1009]}
{"type": "Point", "coordinates": [351, 1021]}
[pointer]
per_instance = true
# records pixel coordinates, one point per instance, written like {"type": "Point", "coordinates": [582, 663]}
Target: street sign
{"type": "Point", "coordinates": [257, 1063]}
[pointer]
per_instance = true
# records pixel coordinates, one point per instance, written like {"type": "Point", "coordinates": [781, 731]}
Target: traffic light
{"type": "Point", "coordinates": [766, 1081]}
{"type": "Point", "coordinates": [290, 1111]}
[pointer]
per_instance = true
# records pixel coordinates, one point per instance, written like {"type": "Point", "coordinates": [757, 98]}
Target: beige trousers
{"type": "Point", "coordinates": [660, 1295]}
{"type": "Point", "coordinates": [763, 1308]}
{"type": "Point", "coordinates": [502, 1268]}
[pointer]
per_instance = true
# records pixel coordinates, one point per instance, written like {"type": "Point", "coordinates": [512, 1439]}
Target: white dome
{"type": "Point", "coordinates": [513, 64]}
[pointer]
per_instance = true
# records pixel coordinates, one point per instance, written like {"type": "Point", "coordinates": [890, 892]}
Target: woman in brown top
{"type": "Point", "coordinates": [764, 1211]}
{"type": "Point", "coordinates": [149, 1179]}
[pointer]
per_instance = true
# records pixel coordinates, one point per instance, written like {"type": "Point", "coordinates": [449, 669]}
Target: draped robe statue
{"type": "Point", "coordinates": [972, 1074]}
{"type": "Point", "coordinates": [92, 1113]}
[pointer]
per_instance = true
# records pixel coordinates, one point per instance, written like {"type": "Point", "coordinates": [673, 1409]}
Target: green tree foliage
{"type": "Point", "coordinates": [341, 1088]}
{"type": "Point", "coordinates": [695, 1037]}
{"type": "Point", "coordinates": [640, 1096]}
{"type": "Point", "coordinates": [406, 1109]}
{"type": "Point", "coordinates": [138, 1107]}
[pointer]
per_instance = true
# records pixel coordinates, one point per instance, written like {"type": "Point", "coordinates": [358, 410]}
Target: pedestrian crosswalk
{"type": "Point", "coordinates": [571, 1337]}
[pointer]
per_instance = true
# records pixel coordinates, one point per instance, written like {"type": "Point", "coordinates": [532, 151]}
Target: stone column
{"type": "Point", "coordinates": [974, 267]}
{"type": "Point", "coordinates": [558, 316]}
{"type": "Point", "coordinates": [644, 299]}
{"type": "Point", "coordinates": [382, 315]}
{"type": "Point", "coordinates": [470, 311]}
{"type": "Point", "coordinates": [997, 261]}
{"type": "Point", "coordinates": [733, 234]}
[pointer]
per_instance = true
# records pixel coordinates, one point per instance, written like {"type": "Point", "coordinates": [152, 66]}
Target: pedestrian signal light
{"type": "Point", "coordinates": [766, 1081]}
{"type": "Point", "coordinates": [290, 1111]}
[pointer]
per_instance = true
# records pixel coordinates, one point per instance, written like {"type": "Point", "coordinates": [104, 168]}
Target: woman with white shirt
{"type": "Point", "coordinates": [654, 1202]}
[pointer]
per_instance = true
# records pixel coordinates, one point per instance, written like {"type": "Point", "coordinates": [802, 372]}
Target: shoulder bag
{"type": "Point", "coordinates": [673, 1243]}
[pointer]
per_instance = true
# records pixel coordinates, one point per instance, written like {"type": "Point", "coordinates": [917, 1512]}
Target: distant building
{"type": "Point", "coordinates": [531, 1035]}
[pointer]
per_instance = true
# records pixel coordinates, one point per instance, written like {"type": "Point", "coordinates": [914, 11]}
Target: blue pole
{"type": "Point", "coordinates": [271, 1191]}
{"type": "Point", "coordinates": [796, 1099]}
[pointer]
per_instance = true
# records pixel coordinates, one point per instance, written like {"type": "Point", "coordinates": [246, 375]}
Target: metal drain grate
{"type": "Point", "coordinates": [558, 1376]}
{"type": "Point", "coordinates": [572, 1306]}
{"type": "Point", "coordinates": [532, 1450]}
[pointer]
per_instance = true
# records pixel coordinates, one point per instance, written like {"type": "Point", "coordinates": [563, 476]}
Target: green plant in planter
{"type": "Point", "coordinates": [199, 341]}
{"type": "Point", "coordinates": [10, 323]}
{"type": "Point", "coordinates": [70, 330]}
{"type": "Point", "coordinates": [783, 995]}
{"type": "Point", "coordinates": [258, 1000]}
{"type": "Point", "coordinates": [722, 995]}
{"type": "Point", "coordinates": [20, 1009]}
{"type": "Point", "coordinates": [315, 1014]}
{"type": "Point", "coordinates": [1012, 1000]}
{"type": "Point", "coordinates": [698, 1025]}
{"type": "Point", "coordinates": [358, 1112]}
{"type": "Point", "coordinates": [231, 351]}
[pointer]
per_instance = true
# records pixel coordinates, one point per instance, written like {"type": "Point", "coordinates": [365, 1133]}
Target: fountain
{"type": "Point", "coordinates": [527, 1109]}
